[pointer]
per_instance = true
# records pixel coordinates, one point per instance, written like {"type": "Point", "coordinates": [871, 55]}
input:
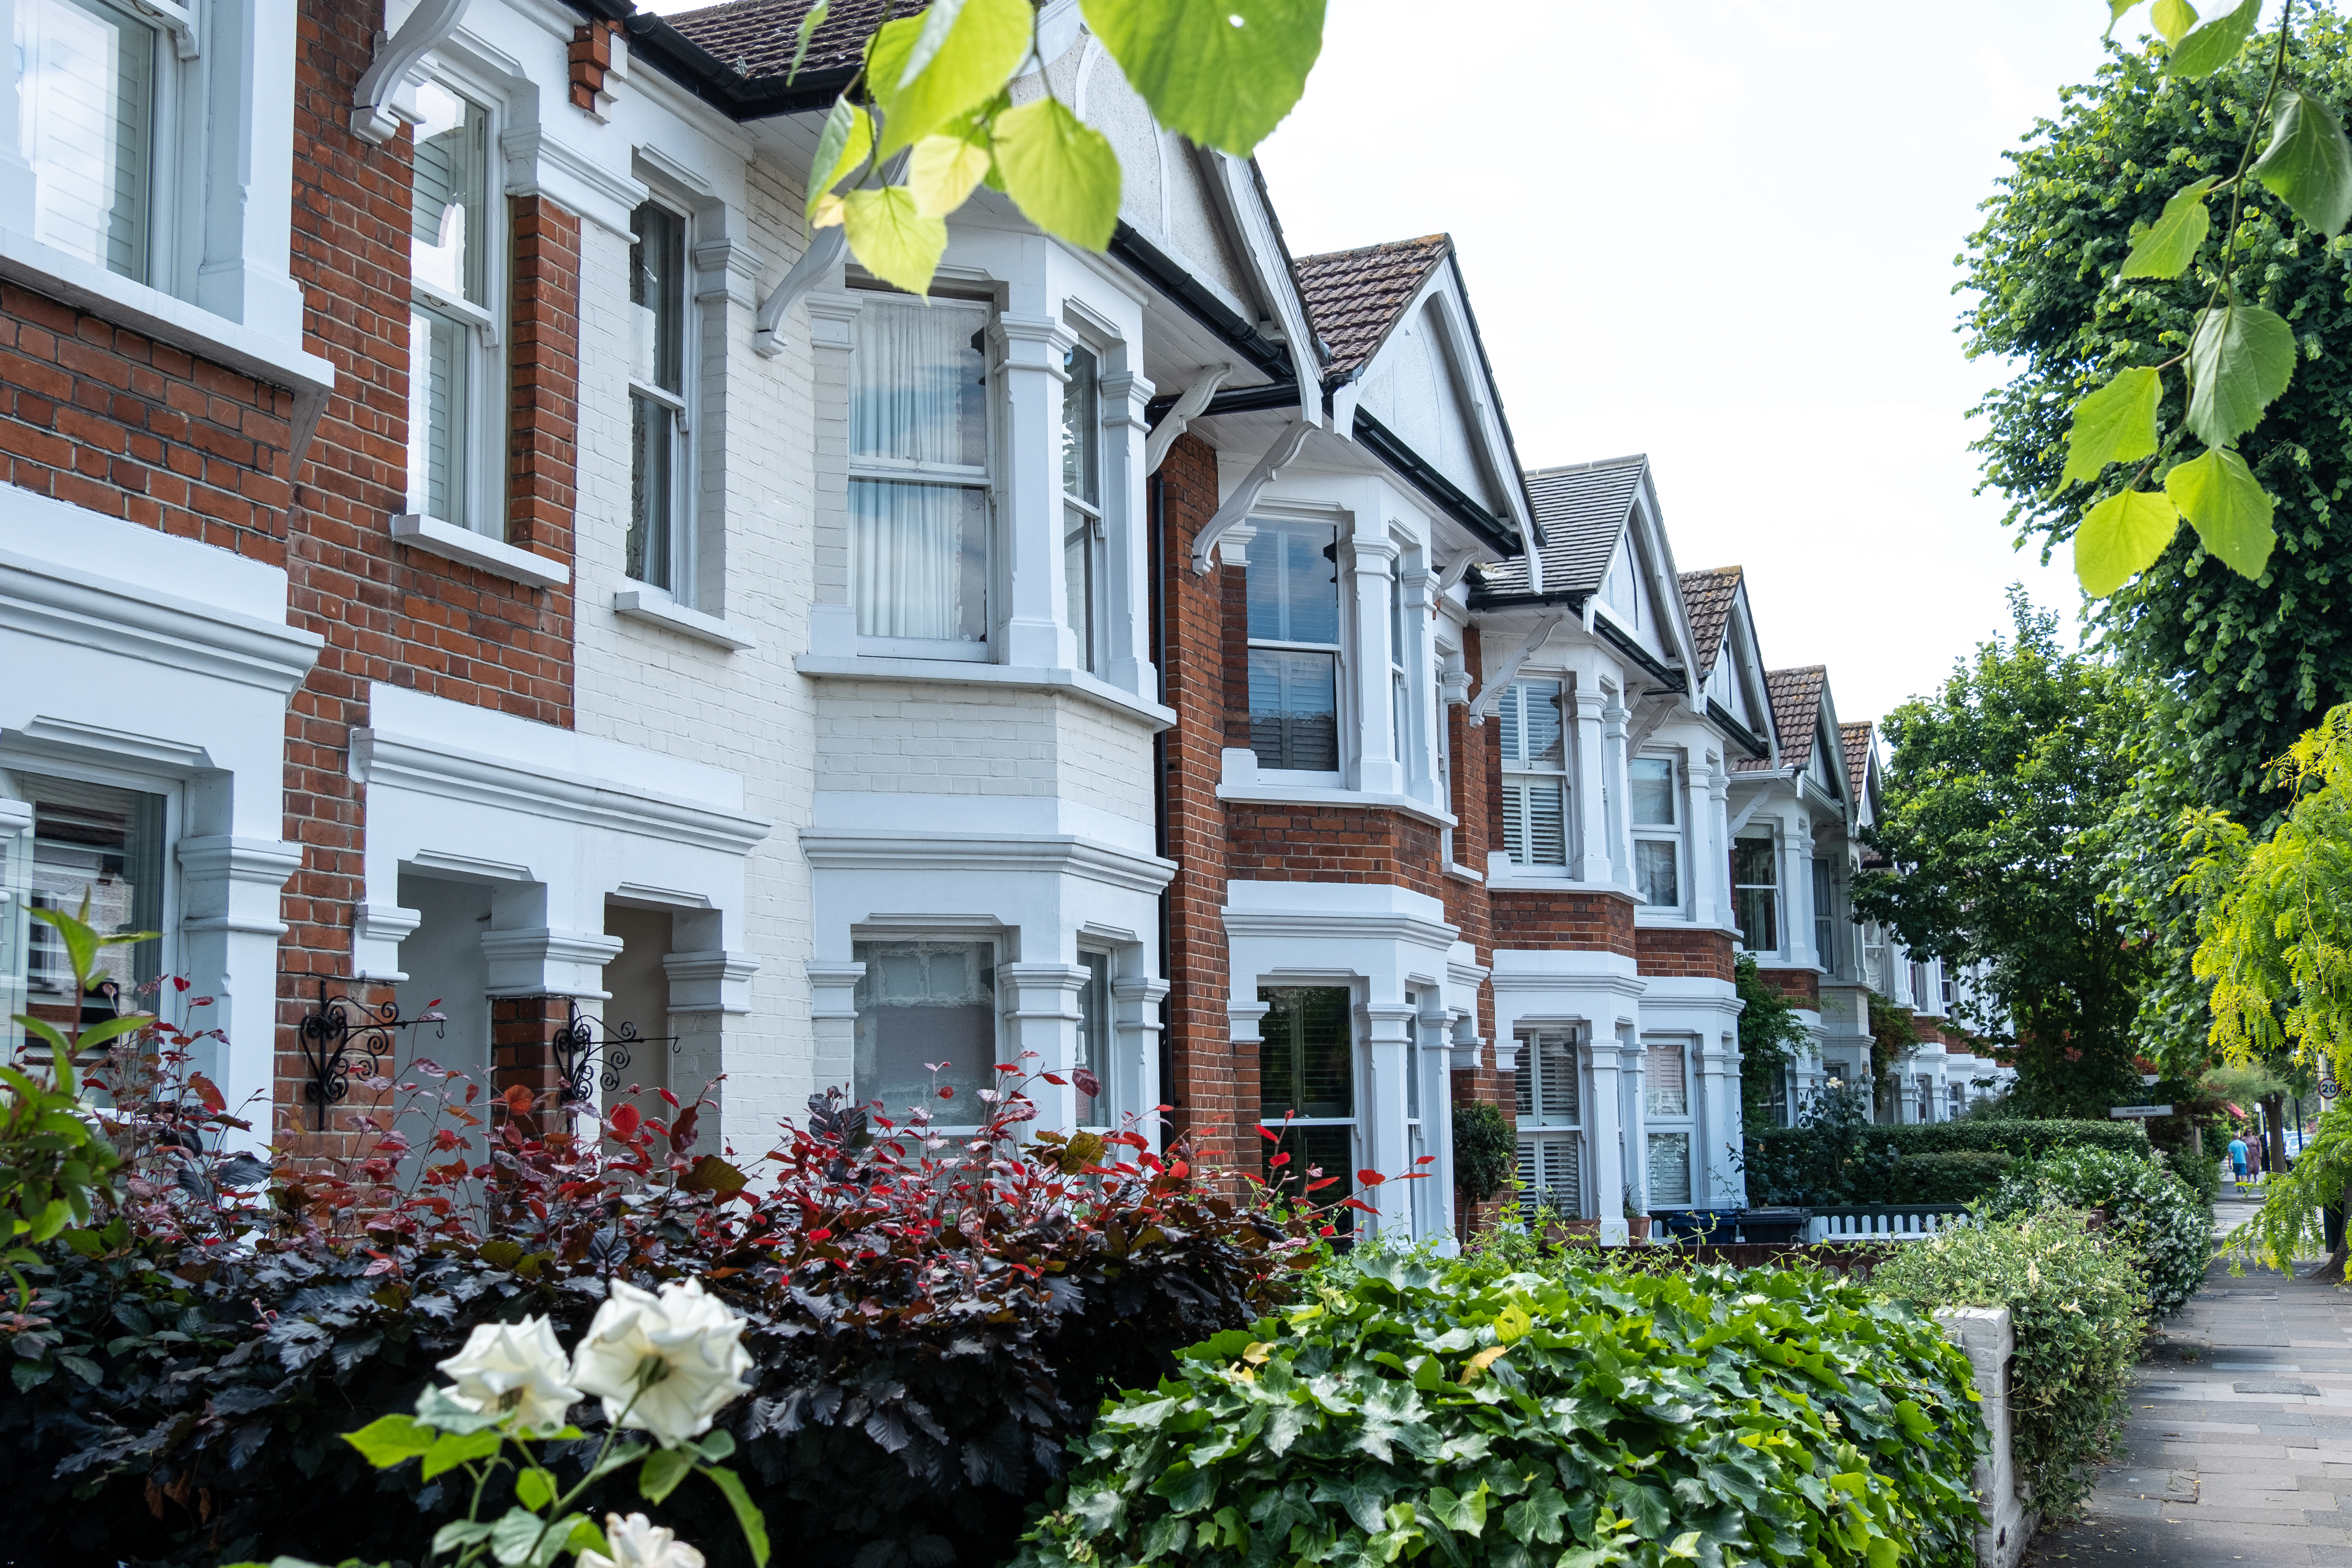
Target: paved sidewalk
{"type": "Point", "coordinates": [2240, 1444]}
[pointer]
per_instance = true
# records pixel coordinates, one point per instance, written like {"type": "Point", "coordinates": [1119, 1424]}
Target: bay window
{"type": "Point", "coordinates": [1534, 746]}
{"type": "Point", "coordinates": [918, 475]}
{"type": "Point", "coordinates": [1667, 1111]}
{"type": "Point", "coordinates": [1550, 1123]}
{"type": "Point", "coordinates": [1657, 835]}
{"type": "Point", "coordinates": [1093, 1039]}
{"type": "Point", "coordinates": [455, 388]}
{"type": "Point", "coordinates": [1825, 923]}
{"type": "Point", "coordinates": [658, 532]}
{"type": "Point", "coordinates": [92, 845]}
{"type": "Point", "coordinates": [1756, 893]}
{"type": "Point", "coordinates": [87, 82]}
{"type": "Point", "coordinates": [1307, 1087]}
{"type": "Point", "coordinates": [923, 1002]}
{"type": "Point", "coordinates": [1398, 708]}
{"type": "Point", "coordinates": [1294, 646]}
{"type": "Point", "coordinates": [1082, 524]}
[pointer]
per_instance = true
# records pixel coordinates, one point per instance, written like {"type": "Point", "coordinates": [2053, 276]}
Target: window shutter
{"type": "Point", "coordinates": [1506, 716]}
{"type": "Point", "coordinates": [1525, 1077]}
{"type": "Point", "coordinates": [1670, 1177]}
{"type": "Point", "coordinates": [1668, 1082]}
{"type": "Point", "coordinates": [1558, 1054]}
{"type": "Point", "coordinates": [1547, 830]}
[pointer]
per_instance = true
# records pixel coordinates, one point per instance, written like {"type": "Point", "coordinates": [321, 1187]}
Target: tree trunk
{"type": "Point", "coordinates": [2275, 1131]}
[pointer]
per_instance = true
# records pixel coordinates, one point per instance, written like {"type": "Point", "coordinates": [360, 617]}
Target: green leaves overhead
{"type": "Point", "coordinates": [893, 239]}
{"type": "Point", "coordinates": [2120, 538]}
{"type": "Point", "coordinates": [847, 138]}
{"type": "Point", "coordinates": [942, 170]}
{"type": "Point", "coordinates": [1223, 74]}
{"type": "Point", "coordinates": [2215, 44]}
{"type": "Point", "coordinates": [2170, 243]}
{"type": "Point", "coordinates": [2241, 360]}
{"type": "Point", "coordinates": [2117, 423]}
{"type": "Point", "coordinates": [2308, 165]}
{"type": "Point", "coordinates": [984, 45]}
{"type": "Point", "coordinates": [2232, 511]}
{"type": "Point", "coordinates": [2173, 18]}
{"type": "Point", "coordinates": [1063, 174]}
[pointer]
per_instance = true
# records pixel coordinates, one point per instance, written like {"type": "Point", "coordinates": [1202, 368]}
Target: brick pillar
{"type": "Point", "coordinates": [520, 1056]}
{"type": "Point", "coordinates": [300, 1132]}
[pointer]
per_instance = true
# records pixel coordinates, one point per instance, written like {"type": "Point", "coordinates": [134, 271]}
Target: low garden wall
{"type": "Point", "coordinates": [1989, 1338]}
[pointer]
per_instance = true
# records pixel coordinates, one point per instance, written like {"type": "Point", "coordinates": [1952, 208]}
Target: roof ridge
{"type": "Point", "coordinates": [1589, 467]}
{"type": "Point", "coordinates": [1428, 239]}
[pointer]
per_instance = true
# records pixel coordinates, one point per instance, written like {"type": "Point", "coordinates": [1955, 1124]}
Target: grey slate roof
{"type": "Point", "coordinates": [1355, 297]}
{"type": "Point", "coordinates": [1708, 596]}
{"type": "Point", "coordinates": [1796, 714]}
{"type": "Point", "coordinates": [1582, 509]}
{"type": "Point", "coordinates": [758, 37]}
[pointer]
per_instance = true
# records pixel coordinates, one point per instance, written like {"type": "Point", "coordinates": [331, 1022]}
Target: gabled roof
{"type": "Point", "coordinates": [1584, 508]}
{"type": "Point", "coordinates": [1708, 595]}
{"type": "Point", "coordinates": [1356, 296]}
{"type": "Point", "coordinates": [1796, 714]}
{"type": "Point", "coordinates": [757, 37]}
{"type": "Point", "coordinates": [1860, 743]}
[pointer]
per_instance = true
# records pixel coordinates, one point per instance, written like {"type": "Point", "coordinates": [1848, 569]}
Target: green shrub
{"type": "Point", "coordinates": [2168, 1228]}
{"type": "Point", "coordinates": [1836, 1159]}
{"type": "Point", "coordinates": [1486, 1151]}
{"type": "Point", "coordinates": [2079, 1309]}
{"type": "Point", "coordinates": [1960, 1176]}
{"type": "Point", "coordinates": [2202, 1172]}
{"type": "Point", "coordinates": [1482, 1416]}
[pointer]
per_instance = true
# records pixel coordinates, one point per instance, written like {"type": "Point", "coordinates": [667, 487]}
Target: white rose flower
{"type": "Point", "coordinates": [517, 1368]}
{"type": "Point", "coordinates": [638, 1543]}
{"type": "Point", "coordinates": [671, 1361]}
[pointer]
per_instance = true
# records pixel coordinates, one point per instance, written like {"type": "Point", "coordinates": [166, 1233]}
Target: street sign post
{"type": "Point", "coordinates": [2139, 1113]}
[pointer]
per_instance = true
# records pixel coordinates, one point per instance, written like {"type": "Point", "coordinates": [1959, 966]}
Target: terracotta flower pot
{"type": "Point", "coordinates": [1638, 1227]}
{"type": "Point", "coordinates": [1573, 1232]}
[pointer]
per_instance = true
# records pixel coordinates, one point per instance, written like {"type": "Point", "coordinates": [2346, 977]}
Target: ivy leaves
{"type": "Point", "coordinates": [2240, 356]}
{"type": "Point", "coordinates": [934, 107]}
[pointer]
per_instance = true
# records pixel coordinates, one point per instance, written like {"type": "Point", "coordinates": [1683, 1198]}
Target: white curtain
{"type": "Point", "coordinates": [913, 383]}
{"type": "Point", "coordinates": [915, 396]}
{"type": "Point", "coordinates": [905, 559]}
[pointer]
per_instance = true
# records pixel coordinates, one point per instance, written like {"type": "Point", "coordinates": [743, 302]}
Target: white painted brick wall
{"type": "Point", "coordinates": [923, 739]}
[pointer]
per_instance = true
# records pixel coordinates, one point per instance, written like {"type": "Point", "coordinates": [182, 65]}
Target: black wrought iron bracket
{"type": "Point", "coordinates": [337, 1033]}
{"type": "Point", "coordinates": [587, 1053]}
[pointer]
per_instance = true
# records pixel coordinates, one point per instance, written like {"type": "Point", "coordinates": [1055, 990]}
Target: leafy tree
{"type": "Point", "coordinates": [1997, 812]}
{"type": "Point", "coordinates": [1771, 1036]}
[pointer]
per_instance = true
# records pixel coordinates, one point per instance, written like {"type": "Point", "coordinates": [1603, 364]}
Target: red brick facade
{"type": "Point", "coordinates": [1688, 954]}
{"type": "Point", "coordinates": [1800, 986]}
{"type": "Point", "coordinates": [1577, 921]}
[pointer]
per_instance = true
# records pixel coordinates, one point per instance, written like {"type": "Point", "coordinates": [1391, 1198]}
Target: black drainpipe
{"type": "Point", "coordinates": [1156, 526]}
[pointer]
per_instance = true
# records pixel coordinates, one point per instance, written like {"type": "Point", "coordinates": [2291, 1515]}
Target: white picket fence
{"type": "Point", "coordinates": [1884, 1222]}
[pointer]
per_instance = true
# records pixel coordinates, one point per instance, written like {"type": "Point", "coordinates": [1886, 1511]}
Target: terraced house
{"type": "Point", "coordinates": [488, 586]}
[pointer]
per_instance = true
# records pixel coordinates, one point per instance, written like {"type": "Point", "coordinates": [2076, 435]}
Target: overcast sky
{"type": "Point", "coordinates": [1721, 232]}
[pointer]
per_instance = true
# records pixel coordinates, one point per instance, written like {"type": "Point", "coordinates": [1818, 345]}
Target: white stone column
{"type": "Point", "coordinates": [1041, 1011]}
{"type": "Point", "coordinates": [16, 893]}
{"type": "Point", "coordinates": [833, 331]}
{"type": "Point", "coordinates": [1031, 629]}
{"type": "Point", "coordinates": [1590, 769]}
{"type": "Point", "coordinates": [1605, 1133]}
{"type": "Point", "coordinates": [1127, 556]}
{"type": "Point", "coordinates": [1796, 857]}
{"type": "Point", "coordinates": [1619, 813]}
{"type": "Point", "coordinates": [708, 987]}
{"type": "Point", "coordinates": [1718, 1121]}
{"type": "Point", "coordinates": [1380, 1118]}
{"type": "Point", "coordinates": [1717, 872]}
{"type": "Point", "coordinates": [1435, 1190]}
{"type": "Point", "coordinates": [230, 892]}
{"type": "Point", "coordinates": [1372, 561]}
{"type": "Point", "coordinates": [247, 194]}
{"type": "Point", "coordinates": [1634, 1077]}
{"type": "Point", "coordinates": [1134, 1087]}
{"type": "Point", "coordinates": [833, 1013]}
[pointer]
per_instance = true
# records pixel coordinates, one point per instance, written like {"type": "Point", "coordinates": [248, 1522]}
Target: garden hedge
{"type": "Point", "coordinates": [1839, 1158]}
{"type": "Point", "coordinates": [2169, 1228]}
{"type": "Point", "coordinates": [1472, 1414]}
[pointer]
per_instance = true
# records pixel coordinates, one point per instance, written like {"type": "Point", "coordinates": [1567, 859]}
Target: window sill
{"type": "Point", "coordinates": [656, 608]}
{"type": "Point", "coordinates": [477, 550]}
{"type": "Point", "coordinates": [1260, 792]}
{"type": "Point", "coordinates": [1464, 873]}
{"type": "Point", "coordinates": [163, 317]}
{"type": "Point", "coordinates": [1069, 682]}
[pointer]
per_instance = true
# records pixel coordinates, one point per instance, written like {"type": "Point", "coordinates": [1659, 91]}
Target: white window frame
{"type": "Point", "coordinates": [1672, 832]}
{"type": "Point", "coordinates": [1346, 722]}
{"type": "Point", "coordinates": [1780, 895]}
{"type": "Point", "coordinates": [485, 427]}
{"type": "Point", "coordinates": [1537, 1129]}
{"type": "Point", "coordinates": [987, 479]}
{"type": "Point", "coordinates": [1520, 769]}
{"type": "Point", "coordinates": [1357, 1100]}
{"type": "Point", "coordinates": [1083, 521]}
{"type": "Point", "coordinates": [1824, 871]}
{"type": "Point", "coordinates": [1684, 1124]}
{"type": "Point", "coordinates": [998, 1036]}
{"type": "Point", "coordinates": [1105, 1021]}
{"type": "Point", "coordinates": [683, 447]}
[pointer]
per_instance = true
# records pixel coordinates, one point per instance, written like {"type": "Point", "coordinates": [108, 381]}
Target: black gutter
{"type": "Point", "coordinates": [1613, 633]}
{"type": "Point", "coordinates": [716, 82]}
{"type": "Point", "coordinates": [1240, 400]}
{"type": "Point", "coordinates": [1173, 280]}
{"type": "Point", "coordinates": [1377, 439]}
{"type": "Point", "coordinates": [1739, 731]}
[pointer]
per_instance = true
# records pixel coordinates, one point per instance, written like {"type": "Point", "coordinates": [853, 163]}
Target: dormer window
{"type": "Point", "coordinates": [919, 473]}
{"type": "Point", "coordinates": [1294, 646]}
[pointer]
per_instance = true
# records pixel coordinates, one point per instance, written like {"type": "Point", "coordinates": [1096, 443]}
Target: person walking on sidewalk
{"type": "Point", "coordinates": [2238, 1158]}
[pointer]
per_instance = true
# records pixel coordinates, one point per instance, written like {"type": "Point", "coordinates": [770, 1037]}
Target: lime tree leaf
{"type": "Point", "coordinates": [2116, 9]}
{"type": "Point", "coordinates": [2232, 511]}
{"type": "Point", "coordinates": [1062, 174]}
{"type": "Point", "coordinates": [1223, 74]}
{"type": "Point", "coordinates": [2215, 44]}
{"type": "Point", "coordinates": [809, 25]}
{"type": "Point", "coordinates": [2173, 18]}
{"type": "Point", "coordinates": [891, 239]}
{"type": "Point", "coordinates": [534, 1491]}
{"type": "Point", "coordinates": [390, 1440]}
{"type": "Point", "coordinates": [942, 170]}
{"type": "Point", "coordinates": [2120, 538]}
{"type": "Point", "coordinates": [2169, 245]}
{"type": "Point", "coordinates": [2308, 165]}
{"type": "Point", "coordinates": [2241, 358]}
{"type": "Point", "coordinates": [2117, 423]}
{"type": "Point", "coordinates": [847, 137]}
{"type": "Point", "coordinates": [747, 1517]}
{"type": "Point", "coordinates": [985, 44]}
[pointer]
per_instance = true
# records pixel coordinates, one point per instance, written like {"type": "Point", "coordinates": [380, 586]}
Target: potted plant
{"type": "Point", "coordinates": [1637, 1224]}
{"type": "Point", "coordinates": [1561, 1229]}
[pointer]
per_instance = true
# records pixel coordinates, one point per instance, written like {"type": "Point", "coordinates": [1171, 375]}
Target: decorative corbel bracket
{"type": "Point", "coordinates": [1238, 506]}
{"type": "Point", "coordinates": [1500, 681]}
{"type": "Point", "coordinates": [1188, 408]}
{"type": "Point", "coordinates": [427, 28]}
{"type": "Point", "coordinates": [826, 249]}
